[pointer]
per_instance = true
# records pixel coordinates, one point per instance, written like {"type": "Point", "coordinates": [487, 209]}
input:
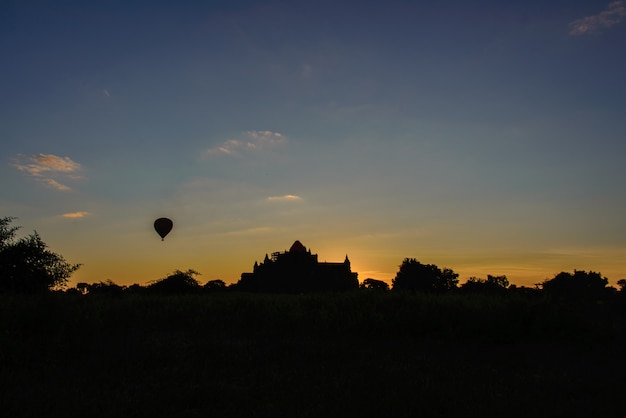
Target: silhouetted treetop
{"type": "Point", "coordinates": [177, 282]}
{"type": "Point", "coordinates": [492, 284]}
{"type": "Point", "coordinates": [415, 276]}
{"type": "Point", "coordinates": [373, 284]}
{"type": "Point", "coordinates": [215, 285]}
{"type": "Point", "coordinates": [26, 265]}
{"type": "Point", "coordinates": [579, 285]}
{"type": "Point", "coordinates": [107, 287]}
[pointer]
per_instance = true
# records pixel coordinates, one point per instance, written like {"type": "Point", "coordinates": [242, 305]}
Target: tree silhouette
{"type": "Point", "coordinates": [107, 287]}
{"type": "Point", "coordinates": [415, 276]}
{"type": "Point", "coordinates": [215, 286]}
{"type": "Point", "coordinates": [579, 285]}
{"type": "Point", "coordinates": [177, 282]}
{"type": "Point", "coordinates": [373, 284]}
{"type": "Point", "coordinates": [26, 265]}
{"type": "Point", "coordinates": [492, 284]}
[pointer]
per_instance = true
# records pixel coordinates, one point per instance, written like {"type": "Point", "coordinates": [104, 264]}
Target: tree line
{"type": "Point", "coordinates": [28, 266]}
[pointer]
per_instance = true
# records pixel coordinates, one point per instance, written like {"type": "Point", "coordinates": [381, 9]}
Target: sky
{"type": "Point", "coordinates": [488, 137]}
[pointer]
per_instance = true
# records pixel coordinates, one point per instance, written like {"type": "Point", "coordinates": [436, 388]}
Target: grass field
{"type": "Point", "coordinates": [363, 354]}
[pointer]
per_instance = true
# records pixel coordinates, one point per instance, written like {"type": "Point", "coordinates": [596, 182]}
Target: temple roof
{"type": "Point", "coordinates": [297, 247]}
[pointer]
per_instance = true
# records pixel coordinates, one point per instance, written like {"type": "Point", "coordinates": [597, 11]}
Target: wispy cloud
{"type": "Point", "coordinates": [41, 163]}
{"type": "Point", "coordinates": [75, 214]}
{"type": "Point", "coordinates": [55, 184]}
{"type": "Point", "coordinates": [251, 141]}
{"type": "Point", "coordinates": [614, 13]}
{"type": "Point", "coordinates": [284, 198]}
{"type": "Point", "coordinates": [44, 167]}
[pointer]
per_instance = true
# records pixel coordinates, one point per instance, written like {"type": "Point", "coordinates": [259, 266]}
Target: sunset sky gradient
{"type": "Point", "coordinates": [488, 136]}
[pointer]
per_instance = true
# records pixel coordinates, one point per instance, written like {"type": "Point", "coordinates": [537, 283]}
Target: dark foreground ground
{"type": "Point", "coordinates": [361, 354]}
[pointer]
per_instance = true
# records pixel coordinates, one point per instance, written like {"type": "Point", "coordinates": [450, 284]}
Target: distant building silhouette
{"type": "Point", "coordinates": [298, 271]}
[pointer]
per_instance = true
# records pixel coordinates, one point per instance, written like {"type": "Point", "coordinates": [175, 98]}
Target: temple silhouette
{"type": "Point", "coordinates": [298, 271]}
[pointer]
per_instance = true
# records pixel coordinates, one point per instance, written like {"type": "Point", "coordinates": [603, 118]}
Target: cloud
{"type": "Point", "coordinates": [253, 141]}
{"type": "Point", "coordinates": [55, 184]}
{"type": "Point", "coordinates": [284, 198]}
{"type": "Point", "coordinates": [46, 166]}
{"type": "Point", "coordinates": [612, 15]}
{"type": "Point", "coordinates": [75, 214]}
{"type": "Point", "coordinates": [47, 162]}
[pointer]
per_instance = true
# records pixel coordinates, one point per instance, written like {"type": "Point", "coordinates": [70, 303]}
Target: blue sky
{"type": "Point", "coordinates": [486, 137]}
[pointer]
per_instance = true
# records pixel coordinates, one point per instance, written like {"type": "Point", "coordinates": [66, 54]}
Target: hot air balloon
{"type": "Point", "coordinates": [163, 226]}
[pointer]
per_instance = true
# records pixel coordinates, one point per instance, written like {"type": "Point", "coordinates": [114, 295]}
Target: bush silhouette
{"type": "Point", "coordinates": [373, 284]}
{"type": "Point", "coordinates": [490, 285]}
{"type": "Point", "coordinates": [177, 282]}
{"type": "Point", "coordinates": [215, 286]}
{"type": "Point", "coordinates": [108, 287]}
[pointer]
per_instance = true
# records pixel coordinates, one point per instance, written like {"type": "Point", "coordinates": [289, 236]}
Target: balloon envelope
{"type": "Point", "coordinates": [163, 226]}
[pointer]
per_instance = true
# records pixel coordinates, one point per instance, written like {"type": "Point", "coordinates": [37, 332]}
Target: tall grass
{"type": "Point", "coordinates": [347, 354]}
{"type": "Point", "coordinates": [489, 318]}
